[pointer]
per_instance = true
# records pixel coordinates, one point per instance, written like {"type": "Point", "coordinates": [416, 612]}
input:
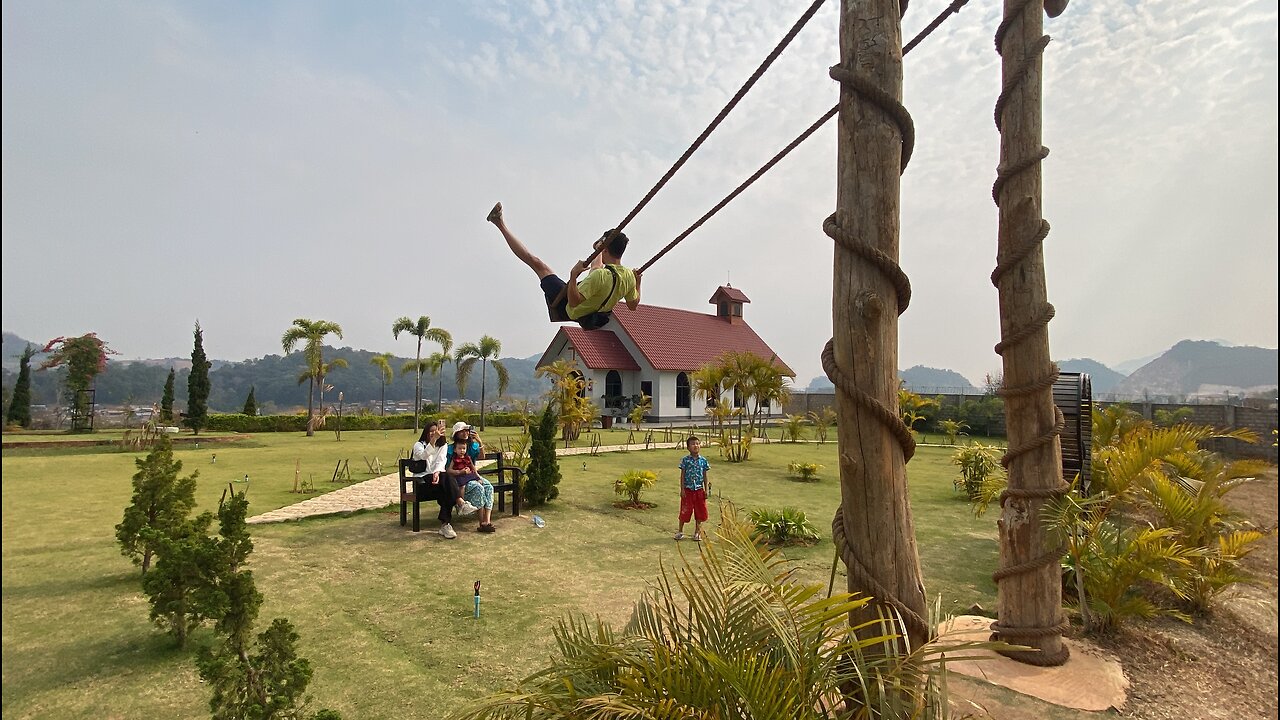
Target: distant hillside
{"type": "Point", "coordinates": [921, 378]}
{"type": "Point", "coordinates": [13, 347]}
{"type": "Point", "coordinates": [918, 378]}
{"type": "Point", "coordinates": [1195, 366]}
{"type": "Point", "coordinates": [1102, 378]}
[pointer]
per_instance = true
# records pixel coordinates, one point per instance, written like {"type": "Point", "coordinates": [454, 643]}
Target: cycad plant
{"type": "Point", "coordinates": [729, 634]}
{"type": "Point", "coordinates": [788, 526]}
{"type": "Point", "coordinates": [634, 482]}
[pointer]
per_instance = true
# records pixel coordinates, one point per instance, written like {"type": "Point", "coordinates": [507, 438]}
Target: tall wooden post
{"type": "Point", "coordinates": [1030, 578]}
{"type": "Point", "coordinates": [873, 529]}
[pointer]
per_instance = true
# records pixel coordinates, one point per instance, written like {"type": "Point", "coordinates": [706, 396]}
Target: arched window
{"type": "Point", "coordinates": [737, 398]}
{"type": "Point", "coordinates": [613, 388]}
{"type": "Point", "coordinates": [713, 397]}
{"type": "Point", "coordinates": [682, 390]}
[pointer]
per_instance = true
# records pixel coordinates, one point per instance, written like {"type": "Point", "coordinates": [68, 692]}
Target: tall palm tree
{"type": "Point", "coordinates": [435, 364]}
{"type": "Point", "coordinates": [311, 333]}
{"type": "Point", "coordinates": [383, 361]}
{"type": "Point", "coordinates": [423, 331]}
{"type": "Point", "coordinates": [323, 371]}
{"type": "Point", "coordinates": [486, 351]}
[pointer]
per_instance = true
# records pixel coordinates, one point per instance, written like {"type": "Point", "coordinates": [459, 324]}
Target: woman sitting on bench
{"type": "Point", "coordinates": [431, 453]}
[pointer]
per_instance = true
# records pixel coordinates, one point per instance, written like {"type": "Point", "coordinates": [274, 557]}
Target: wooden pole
{"type": "Point", "coordinates": [1030, 579]}
{"type": "Point", "coordinates": [877, 526]}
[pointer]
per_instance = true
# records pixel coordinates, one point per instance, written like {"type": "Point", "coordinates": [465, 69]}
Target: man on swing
{"type": "Point", "coordinates": [588, 301]}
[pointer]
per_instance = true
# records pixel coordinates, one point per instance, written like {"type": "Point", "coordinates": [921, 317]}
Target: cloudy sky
{"type": "Point", "coordinates": [248, 163]}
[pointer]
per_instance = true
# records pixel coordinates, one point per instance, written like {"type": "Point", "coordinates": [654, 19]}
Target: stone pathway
{"type": "Point", "coordinates": [383, 491]}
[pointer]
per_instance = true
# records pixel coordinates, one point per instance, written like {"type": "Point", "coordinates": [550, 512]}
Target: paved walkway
{"type": "Point", "coordinates": [383, 491]}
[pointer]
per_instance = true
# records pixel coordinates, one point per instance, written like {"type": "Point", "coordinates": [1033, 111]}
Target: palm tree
{"type": "Point", "coordinates": [383, 361]}
{"type": "Point", "coordinates": [486, 351]}
{"type": "Point", "coordinates": [312, 333]}
{"type": "Point", "coordinates": [436, 364]}
{"type": "Point", "coordinates": [423, 331]}
{"type": "Point", "coordinates": [323, 371]}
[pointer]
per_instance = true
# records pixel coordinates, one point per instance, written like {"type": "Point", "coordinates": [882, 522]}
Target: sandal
{"type": "Point", "coordinates": [495, 214]}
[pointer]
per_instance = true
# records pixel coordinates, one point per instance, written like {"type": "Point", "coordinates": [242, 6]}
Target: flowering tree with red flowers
{"type": "Point", "coordinates": [85, 358]}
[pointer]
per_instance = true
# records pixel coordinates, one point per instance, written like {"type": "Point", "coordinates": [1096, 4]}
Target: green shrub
{"type": "Point", "coordinates": [633, 482]}
{"type": "Point", "coordinates": [977, 463]}
{"type": "Point", "coordinates": [788, 526]}
{"type": "Point", "coordinates": [807, 472]}
{"type": "Point", "coordinates": [542, 482]}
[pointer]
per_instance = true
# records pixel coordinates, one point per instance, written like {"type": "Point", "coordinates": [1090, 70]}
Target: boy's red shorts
{"type": "Point", "coordinates": [693, 503]}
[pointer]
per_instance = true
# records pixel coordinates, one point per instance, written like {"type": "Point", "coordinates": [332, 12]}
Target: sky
{"type": "Point", "coordinates": [244, 164]}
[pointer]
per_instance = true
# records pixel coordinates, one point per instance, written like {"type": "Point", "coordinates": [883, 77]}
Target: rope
{"type": "Point", "coordinates": [1020, 252]}
{"type": "Point", "coordinates": [859, 572]}
{"type": "Point", "coordinates": [954, 8]}
{"type": "Point", "coordinates": [884, 415]}
{"type": "Point", "coordinates": [715, 122]}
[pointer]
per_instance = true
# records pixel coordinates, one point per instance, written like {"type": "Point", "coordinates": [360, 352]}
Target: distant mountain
{"type": "Point", "coordinates": [918, 378]}
{"type": "Point", "coordinates": [1102, 378]}
{"type": "Point", "coordinates": [13, 347]}
{"type": "Point", "coordinates": [921, 378]}
{"type": "Point", "coordinates": [1127, 367]}
{"type": "Point", "coordinates": [1204, 366]}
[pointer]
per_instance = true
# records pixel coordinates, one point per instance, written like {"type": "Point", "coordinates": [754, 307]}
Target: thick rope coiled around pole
{"type": "Point", "coordinates": [863, 577]}
{"type": "Point", "coordinates": [888, 267]}
{"type": "Point", "coordinates": [1021, 251]}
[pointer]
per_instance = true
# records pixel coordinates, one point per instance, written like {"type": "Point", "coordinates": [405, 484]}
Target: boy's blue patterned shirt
{"type": "Point", "coordinates": [695, 471]}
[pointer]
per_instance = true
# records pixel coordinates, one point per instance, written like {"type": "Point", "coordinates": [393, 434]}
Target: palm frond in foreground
{"type": "Point", "coordinates": [730, 634]}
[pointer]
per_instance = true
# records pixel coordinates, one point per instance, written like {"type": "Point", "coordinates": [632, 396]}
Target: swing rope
{"type": "Point", "coordinates": [724, 112]}
{"type": "Point", "coordinates": [952, 9]}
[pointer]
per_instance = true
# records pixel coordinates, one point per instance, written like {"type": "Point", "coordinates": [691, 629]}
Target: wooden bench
{"type": "Point", "coordinates": [508, 480]}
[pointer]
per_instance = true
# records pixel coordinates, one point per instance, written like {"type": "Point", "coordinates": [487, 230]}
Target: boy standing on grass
{"type": "Point", "coordinates": [693, 489]}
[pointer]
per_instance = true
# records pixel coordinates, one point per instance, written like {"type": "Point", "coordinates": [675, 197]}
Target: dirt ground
{"type": "Point", "coordinates": [1222, 666]}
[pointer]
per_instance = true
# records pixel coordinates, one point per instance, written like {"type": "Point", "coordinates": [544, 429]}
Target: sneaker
{"type": "Point", "coordinates": [495, 214]}
{"type": "Point", "coordinates": [487, 528]}
{"type": "Point", "coordinates": [697, 537]}
{"type": "Point", "coordinates": [678, 536]}
{"type": "Point", "coordinates": [446, 531]}
{"type": "Point", "coordinates": [466, 509]}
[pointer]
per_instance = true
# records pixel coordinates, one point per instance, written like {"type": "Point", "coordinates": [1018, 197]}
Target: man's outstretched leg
{"type": "Point", "coordinates": [517, 247]}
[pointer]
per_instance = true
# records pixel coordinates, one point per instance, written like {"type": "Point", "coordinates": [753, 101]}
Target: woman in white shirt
{"type": "Point", "coordinates": [433, 449]}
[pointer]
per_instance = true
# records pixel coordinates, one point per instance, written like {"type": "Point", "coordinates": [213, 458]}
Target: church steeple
{"type": "Point", "coordinates": [728, 301]}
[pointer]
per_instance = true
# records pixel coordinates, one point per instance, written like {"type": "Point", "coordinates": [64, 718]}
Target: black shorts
{"type": "Point", "coordinates": [552, 287]}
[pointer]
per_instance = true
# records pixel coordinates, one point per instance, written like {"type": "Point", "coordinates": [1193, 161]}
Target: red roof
{"type": "Point", "coordinates": [600, 349]}
{"type": "Point", "coordinates": [729, 293]}
{"type": "Point", "coordinates": [677, 340]}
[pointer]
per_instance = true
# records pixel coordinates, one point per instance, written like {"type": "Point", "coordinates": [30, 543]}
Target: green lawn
{"type": "Point", "coordinates": [384, 614]}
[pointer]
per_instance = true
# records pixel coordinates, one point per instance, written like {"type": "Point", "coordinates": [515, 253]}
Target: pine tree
{"type": "Point", "coordinates": [198, 385]}
{"type": "Point", "coordinates": [182, 588]}
{"type": "Point", "coordinates": [20, 406]}
{"type": "Point", "coordinates": [161, 502]}
{"type": "Point", "coordinates": [250, 404]}
{"type": "Point", "coordinates": [268, 683]}
{"type": "Point", "coordinates": [541, 486]}
{"type": "Point", "coordinates": [233, 579]}
{"type": "Point", "coordinates": [263, 679]}
{"type": "Point", "coordinates": [166, 400]}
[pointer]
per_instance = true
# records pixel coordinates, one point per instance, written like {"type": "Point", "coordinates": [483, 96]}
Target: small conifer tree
{"type": "Point", "coordinates": [161, 502]}
{"type": "Point", "coordinates": [20, 406]}
{"type": "Point", "coordinates": [181, 587]}
{"type": "Point", "coordinates": [542, 484]}
{"type": "Point", "coordinates": [268, 682]}
{"type": "Point", "coordinates": [166, 400]}
{"type": "Point", "coordinates": [250, 404]}
{"type": "Point", "coordinates": [198, 385]}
